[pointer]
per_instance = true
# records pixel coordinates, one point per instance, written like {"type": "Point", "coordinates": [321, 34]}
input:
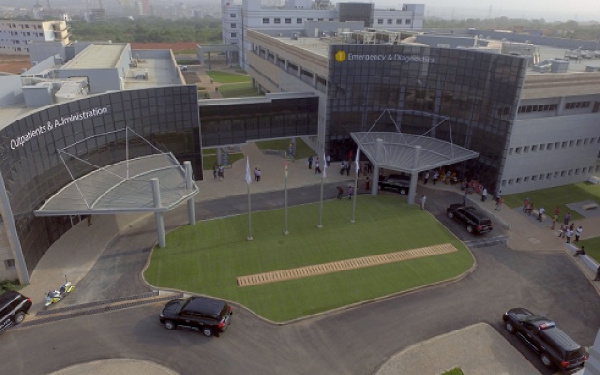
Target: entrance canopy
{"type": "Point", "coordinates": [398, 151]}
{"type": "Point", "coordinates": [150, 183]}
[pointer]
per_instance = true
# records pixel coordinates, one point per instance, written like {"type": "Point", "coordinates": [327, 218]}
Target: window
{"type": "Point", "coordinates": [389, 21]}
{"type": "Point", "coordinates": [542, 147]}
{"type": "Point", "coordinates": [298, 20]}
{"type": "Point", "coordinates": [518, 180]}
{"type": "Point", "coordinates": [510, 151]}
{"type": "Point", "coordinates": [408, 21]}
{"type": "Point", "coordinates": [511, 181]}
{"type": "Point", "coordinates": [277, 20]}
{"type": "Point", "coordinates": [232, 15]}
{"type": "Point", "coordinates": [525, 179]}
{"type": "Point", "coordinates": [534, 178]}
{"type": "Point", "coordinates": [518, 150]}
{"type": "Point", "coordinates": [266, 20]}
{"type": "Point", "coordinates": [526, 149]}
{"type": "Point", "coordinates": [288, 20]}
{"type": "Point", "coordinates": [579, 142]}
{"type": "Point", "coordinates": [9, 264]}
{"type": "Point", "coordinates": [380, 21]}
{"type": "Point", "coordinates": [571, 143]}
{"type": "Point", "coordinates": [556, 145]}
{"type": "Point", "coordinates": [234, 35]}
{"type": "Point", "coordinates": [549, 146]}
{"type": "Point", "coordinates": [564, 144]}
{"type": "Point", "coordinates": [310, 19]}
{"type": "Point", "coordinates": [548, 176]}
{"type": "Point", "coordinates": [399, 21]}
{"type": "Point", "coordinates": [233, 25]}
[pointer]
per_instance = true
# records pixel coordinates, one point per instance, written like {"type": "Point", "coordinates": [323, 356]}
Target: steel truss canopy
{"type": "Point", "coordinates": [123, 187]}
{"type": "Point", "coordinates": [399, 150]}
{"type": "Point", "coordinates": [408, 152]}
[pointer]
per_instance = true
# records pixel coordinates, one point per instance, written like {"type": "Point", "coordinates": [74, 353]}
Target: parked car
{"type": "Point", "coordinates": [13, 308]}
{"type": "Point", "coordinates": [397, 182]}
{"type": "Point", "coordinates": [553, 345]}
{"type": "Point", "coordinates": [211, 316]}
{"type": "Point", "coordinates": [473, 220]}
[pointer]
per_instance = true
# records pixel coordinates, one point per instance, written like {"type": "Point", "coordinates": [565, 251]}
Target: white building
{"type": "Point", "coordinates": [293, 16]}
{"type": "Point", "coordinates": [15, 36]}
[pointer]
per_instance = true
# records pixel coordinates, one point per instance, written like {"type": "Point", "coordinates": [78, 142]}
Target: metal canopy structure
{"type": "Point", "coordinates": [398, 151]}
{"type": "Point", "coordinates": [122, 187]}
{"type": "Point", "coordinates": [409, 153]}
{"type": "Point", "coordinates": [155, 182]}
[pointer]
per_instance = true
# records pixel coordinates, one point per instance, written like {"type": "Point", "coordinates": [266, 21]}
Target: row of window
{"type": "Point", "coordinates": [288, 21]}
{"type": "Point", "coordinates": [575, 105]}
{"type": "Point", "coordinates": [552, 145]}
{"type": "Point", "coordinates": [390, 21]}
{"type": "Point", "coordinates": [552, 175]}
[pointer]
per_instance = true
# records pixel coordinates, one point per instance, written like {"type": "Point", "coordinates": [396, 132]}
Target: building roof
{"type": "Point", "coordinates": [97, 56]}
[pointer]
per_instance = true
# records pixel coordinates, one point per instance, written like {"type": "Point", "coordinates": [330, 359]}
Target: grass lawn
{"type": "Point", "coordinates": [302, 149]}
{"type": "Point", "coordinates": [454, 371]}
{"type": "Point", "coordinates": [209, 158]}
{"type": "Point", "coordinates": [558, 196]}
{"type": "Point", "coordinates": [207, 258]}
{"type": "Point", "coordinates": [225, 77]}
{"type": "Point", "coordinates": [239, 90]}
{"type": "Point", "coordinates": [592, 247]}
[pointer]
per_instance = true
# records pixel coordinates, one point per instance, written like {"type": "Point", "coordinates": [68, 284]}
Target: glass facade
{"type": "Point", "coordinates": [467, 97]}
{"type": "Point", "coordinates": [235, 123]}
{"type": "Point", "coordinates": [32, 169]}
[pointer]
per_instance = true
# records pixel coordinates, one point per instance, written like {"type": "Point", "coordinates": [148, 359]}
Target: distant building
{"type": "Point", "coordinates": [15, 36]}
{"type": "Point", "coordinates": [293, 16]}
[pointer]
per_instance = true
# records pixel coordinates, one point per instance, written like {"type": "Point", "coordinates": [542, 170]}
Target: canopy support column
{"type": "Point", "coordinates": [189, 186]}
{"type": "Point", "coordinates": [376, 163]}
{"type": "Point", "coordinates": [160, 221]}
{"type": "Point", "coordinates": [414, 177]}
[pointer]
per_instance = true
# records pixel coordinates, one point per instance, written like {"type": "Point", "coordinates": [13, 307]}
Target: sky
{"type": "Point", "coordinates": [549, 10]}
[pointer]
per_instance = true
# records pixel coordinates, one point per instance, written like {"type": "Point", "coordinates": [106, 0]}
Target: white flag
{"type": "Point", "coordinates": [324, 165]}
{"type": "Point", "coordinates": [248, 177]}
{"type": "Point", "coordinates": [356, 161]}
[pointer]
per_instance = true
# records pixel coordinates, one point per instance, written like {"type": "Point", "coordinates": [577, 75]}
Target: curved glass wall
{"type": "Point", "coordinates": [30, 164]}
{"type": "Point", "coordinates": [464, 96]}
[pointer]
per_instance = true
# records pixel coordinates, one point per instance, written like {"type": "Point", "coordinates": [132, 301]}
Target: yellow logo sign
{"type": "Point", "coordinates": [340, 56]}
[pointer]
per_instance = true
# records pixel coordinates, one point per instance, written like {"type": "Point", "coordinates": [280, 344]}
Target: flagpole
{"type": "Point", "coordinates": [285, 198]}
{"type": "Point", "coordinates": [355, 186]}
{"type": "Point", "coordinates": [248, 181]}
{"type": "Point", "coordinates": [322, 183]}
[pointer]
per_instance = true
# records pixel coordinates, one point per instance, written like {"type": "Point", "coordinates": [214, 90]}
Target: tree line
{"type": "Point", "coordinates": [149, 30]}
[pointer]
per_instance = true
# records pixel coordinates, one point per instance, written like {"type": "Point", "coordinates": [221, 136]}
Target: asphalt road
{"type": "Point", "coordinates": [352, 341]}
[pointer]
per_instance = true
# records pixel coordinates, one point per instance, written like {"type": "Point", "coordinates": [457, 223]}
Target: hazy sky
{"type": "Point", "coordinates": [549, 10]}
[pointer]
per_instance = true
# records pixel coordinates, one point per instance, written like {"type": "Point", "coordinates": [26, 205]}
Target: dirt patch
{"type": "Point", "coordinates": [14, 63]}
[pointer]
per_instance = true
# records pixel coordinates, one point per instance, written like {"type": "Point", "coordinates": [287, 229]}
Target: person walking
{"type": "Point", "coordinates": [317, 167]}
{"type": "Point", "coordinates": [483, 194]}
{"type": "Point", "coordinates": [350, 191]}
{"type": "Point", "coordinates": [340, 192]}
{"type": "Point", "coordinates": [597, 274]}
{"type": "Point", "coordinates": [499, 202]}
{"type": "Point", "coordinates": [328, 161]}
{"type": "Point", "coordinates": [569, 234]}
{"type": "Point", "coordinates": [436, 175]}
{"type": "Point", "coordinates": [255, 173]}
{"type": "Point", "coordinates": [541, 214]}
{"type": "Point", "coordinates": [258, 174]}
{"type": "Point", "coordinates": [310, 161]}
{"type": "Point", "coordinates": [423, 199]}
{"type": "Point", "coordinates": [526, 204]}
{"type": "Point", "coordinates": [554, 220]}
{"type": "Point", "coordinates": [426, 178]}
{"type": "Point", "coordinates": [578, 233]}
{"type": "Point", "coordinates": [567, 218]}
{"type": "Point", "coordinates": [214, 172]}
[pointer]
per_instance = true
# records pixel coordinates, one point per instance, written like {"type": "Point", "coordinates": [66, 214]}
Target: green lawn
{"type": "Point", "coordinates": [558, 196]}
{"type": "Point", "coordinates": [238, 90]}
{"type": "Point", "coordinates": [592, 247]}
{"type": "Point", "coordinates": [225, 77]}
{"type": "Point", "coordinates": [209, 158]}
{"type": "Point", "coordinates": [454, 371]}
{"type": "Point", "coordinates": [302, 149]}
{"type": "Point", "coordinates": [207, 258]}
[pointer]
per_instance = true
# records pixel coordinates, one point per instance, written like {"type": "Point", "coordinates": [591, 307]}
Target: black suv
{"type": "Point", "coordinates": [553, 345]}
{"type": "Point", "coordinates": [13, 307]}
{"type": "Point", "coordinates": [398, 182]}
{"type": "Point", "coordinates": [209, 315]}
{"type": "Point", "coordinates": [474, 221]}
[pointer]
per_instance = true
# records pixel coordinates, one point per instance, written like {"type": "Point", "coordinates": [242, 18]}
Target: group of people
{"type": "Point", "coordinates": [340, 192]}
{"type": "Point", "coordinates": [218, 171]}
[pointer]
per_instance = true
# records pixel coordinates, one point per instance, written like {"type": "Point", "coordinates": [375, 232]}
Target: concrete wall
{"type": "Point", "coordinates": [11, 92]}
{"type": "Point", "coordinates": [38, 95]}
{"type": "Point", "coordinates": [41, 51]}
{"type": "Point", "coordinates": [532, 164]}
{"type": "Point", "coordinates": [101, 80]}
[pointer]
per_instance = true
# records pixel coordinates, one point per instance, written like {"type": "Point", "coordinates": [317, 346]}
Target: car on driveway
{"type": "Point", "coordinates": [541, 334]}
{"type": "Point", "coordinates": [13, 308]}
{"type": "Point", "coordinates": [473, 220]}
{"type": "Point", "coordinates": [211, 316]}
{"type": "Point", "coordinates": [398, 182]}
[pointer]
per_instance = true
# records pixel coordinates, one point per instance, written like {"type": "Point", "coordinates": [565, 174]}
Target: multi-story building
{"type": "Point", "coordinates": [294, 15]}
{"type": "Point", "coordinates": [532, 128]}
{"type": "Point", "coordinates": [15, 35]}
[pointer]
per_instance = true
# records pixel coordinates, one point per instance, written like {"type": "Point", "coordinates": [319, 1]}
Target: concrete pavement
{"type": "Point", "coordinates": [75, 253]}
